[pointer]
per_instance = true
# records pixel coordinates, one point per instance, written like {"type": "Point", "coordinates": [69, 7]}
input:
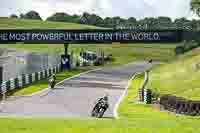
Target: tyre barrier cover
{"type": "Point", "coordinates": [141, 94]}
{"type": "Point", "coordinates": [24, 80]}
{"type": "Point", "coordinates": [147, 96]}
{"type": "Point", "coordinates": [180, 105]}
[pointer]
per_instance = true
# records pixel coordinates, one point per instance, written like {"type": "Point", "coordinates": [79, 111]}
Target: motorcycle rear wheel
{"type": "Point", "coordinates": [94, 112]}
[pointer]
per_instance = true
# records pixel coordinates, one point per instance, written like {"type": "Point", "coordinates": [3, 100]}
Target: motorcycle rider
{"type": "Point", "coordinates": [103, 99]}
{"type": "Point", "coordinates": [54, 76]}
{"type": "Point", "coordinates": [150, 60]}
{"type": "Point", "coordinates": [52, 81]}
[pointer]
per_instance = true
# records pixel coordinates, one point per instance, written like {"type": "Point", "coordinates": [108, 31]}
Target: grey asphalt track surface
{"type": "Point", "coordinates": [75, 98]}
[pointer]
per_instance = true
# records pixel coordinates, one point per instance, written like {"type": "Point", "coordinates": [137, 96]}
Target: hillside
{"type": "Point", "coordinates": [123, 53]}
{"type": "Point", "coordinates": [7, 23]}
{"type": "Point", "coordinates": [180, 77]}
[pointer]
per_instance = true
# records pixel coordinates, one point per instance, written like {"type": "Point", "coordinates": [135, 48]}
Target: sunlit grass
{"type": "Point", "coordinates": [180, 77]}
{"type": "Point", "coordinates": [134, 117]}
{"type": "Point", "coordinates": [7, 23]}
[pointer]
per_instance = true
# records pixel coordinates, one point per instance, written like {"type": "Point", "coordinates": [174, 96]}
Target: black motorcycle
{"type": "Point", "coordinates": [52, 83]}
{"type": "Point", "coordinates": [99, 109]}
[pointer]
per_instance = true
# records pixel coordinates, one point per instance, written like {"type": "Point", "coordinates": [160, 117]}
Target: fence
{"type": "Point", "coordinates": [147, 96]}
{"type": "Point", "coordinates": [144, 95]}
{"type": "Point", "coordinates": [26, 63]}
{"type": "Point", "coordinates": [27, 79]}
{"type": "Point", "coordinates": [88, 58]}
{"type": "Point", "coordinates": [171, 103]}
{"type": "Point", "coordinates": [180, 105]}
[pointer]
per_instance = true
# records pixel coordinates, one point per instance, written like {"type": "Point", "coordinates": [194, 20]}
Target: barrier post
{"type": "Point", "coordinates": [1, 74]}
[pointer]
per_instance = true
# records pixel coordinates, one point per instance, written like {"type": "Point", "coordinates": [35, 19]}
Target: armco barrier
{"type": "Point", "coordinates": [142, 87]}
{"type": "Point", "coordinates": [16, 83]}
{"type": "Point", "coordinates": [171, 103]}
{"type": "Point", "coordinates": [12, 84]}
{"type": "Point", "coordinates": [141, 94]}
{"type": "Point", "coordinates": [33, 77]}
{"type": "Point", "coordinates": [147, 96]}
{"type": "Point", "coordinates": [20, 82]}
{"type": "Point", "coordinates": [24, 80]}
{"type": "Point", "coordinates": [8, 85]}
{"type": "Point", "coordinates": [180, 105]}
{"type": "Point", "coordinates": [36, 76]}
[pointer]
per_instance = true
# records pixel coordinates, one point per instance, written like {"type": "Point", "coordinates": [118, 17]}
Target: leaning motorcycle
{"type": "Point", "coordinates": [52, 83]}
{"type": "Point", "coordinates": [99, 109]}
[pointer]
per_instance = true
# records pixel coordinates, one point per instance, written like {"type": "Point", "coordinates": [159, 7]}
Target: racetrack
{"type": "Point", "coordinates": [75, 97]}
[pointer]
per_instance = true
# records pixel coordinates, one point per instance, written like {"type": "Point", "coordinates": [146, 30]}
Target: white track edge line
{"type": "Point", "coordinates": [123, 96]}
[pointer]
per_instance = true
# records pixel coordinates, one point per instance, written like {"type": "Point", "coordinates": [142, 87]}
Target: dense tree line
{"type": "Point", "coordinates": [118, 22]}
{"type": "Point", "coordinates": [31, 15]}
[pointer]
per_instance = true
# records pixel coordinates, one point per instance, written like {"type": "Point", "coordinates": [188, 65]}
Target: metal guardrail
{"type": "Point", "coordinates": [23, 80]}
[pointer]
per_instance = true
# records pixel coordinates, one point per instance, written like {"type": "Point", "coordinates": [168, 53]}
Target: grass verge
{"type": "Point", "coordinates": [8, 23]}
{"type": "Point", "coordinates": [122, 53]}
{"type": "Point", "coordinates": [179, 77]}
{"type": "Point", "coordinates": [134, 117]}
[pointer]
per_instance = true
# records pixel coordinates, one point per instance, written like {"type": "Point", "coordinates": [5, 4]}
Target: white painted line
{"type": "Point", "coordinates": [125, 93]}
{"type": "Point", "coordinates": [145, 80]}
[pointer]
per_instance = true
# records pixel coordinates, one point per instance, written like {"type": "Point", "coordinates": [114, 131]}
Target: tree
{"type": "Point", "coordinates": [181, 20]}
{"type": "Point", "coordinates": [85, 18]}
{"type": "Point", "coordinates": [96, 20]}
{"type": "Point", "coordinates": [113, 22]}
{"type": "Point", "coordinates": [132, 20]}
{"type": "Point", "coordinates": [64, 17]}
{"type": "Point", "coordinates": [21, 15]}
{"type": "Point", "coordinates": [163, 19]}
{"type": "Point", "coordinates": [194, 25]}
{"type": "Point", "coordinates": [13, 16]}
{"type": "Point", "coordinates": [182, 23]}
{"type": "Point", "coordinates": [91, 19]}
{"type": "Point", "coordinates": [117, 21]}
{"type": "Point", "coordinates": [75, 19]}
{"type": "Point", "coordinates": [147, 23]}
{"type": "Point", "coordinates": [107, 22]}
{"type": "Point", "coordinates": [195, 6]}
{"type": "Point", "coordinates": [198, 25]}
{"type": "Point", "coordinates": [31, 15]}
{"type": "Point", "coordinates": [164, 22]}
{"type": "Point", "coordinates": [58, 17]}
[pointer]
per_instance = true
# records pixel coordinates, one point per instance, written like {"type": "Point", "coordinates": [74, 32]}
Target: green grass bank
{"type": "Point", "coordinates": [134, 117]}
{"type": "Point", "coordinates": [179, 77]}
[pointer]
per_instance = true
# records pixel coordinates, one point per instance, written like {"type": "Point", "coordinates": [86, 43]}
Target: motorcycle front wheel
{"type": "Point", "coordinates": [52, 85]}
{"type": "Point", "coordinates": [101, 112]}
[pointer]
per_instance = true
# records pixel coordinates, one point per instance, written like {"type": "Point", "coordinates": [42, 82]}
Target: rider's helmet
{"type": "Point", "coordinates": [150, 60]}
{"type": "Point", "coordinates": [54, 76]}
{"type": "Point", "coordinates": [105, 97]}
